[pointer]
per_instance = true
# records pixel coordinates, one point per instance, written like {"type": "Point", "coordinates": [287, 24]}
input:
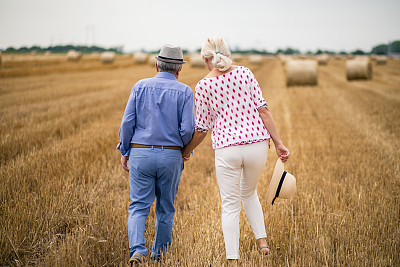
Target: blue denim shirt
{"type": "Point", "coordinates": [160, 111]}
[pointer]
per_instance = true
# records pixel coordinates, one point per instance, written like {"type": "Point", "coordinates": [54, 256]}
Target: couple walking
{"type": "Point", "coordinates": [159, 131]}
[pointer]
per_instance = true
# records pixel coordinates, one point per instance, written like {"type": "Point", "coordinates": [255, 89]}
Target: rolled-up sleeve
{"type": "Point", "coordinates": [186, 128]}
{"type": "Point", "coordinates": [256, 92]}
{"type": "Point", "coordinates": [128, 123]}
{"type": "Point", "coordinates": [203, 112]}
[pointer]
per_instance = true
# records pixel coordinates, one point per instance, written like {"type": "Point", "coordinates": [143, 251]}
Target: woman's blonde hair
{"type": "Point", "coordinates": [216, 49]}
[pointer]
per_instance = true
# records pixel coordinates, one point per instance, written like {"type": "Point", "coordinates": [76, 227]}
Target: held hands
{"type": "Point", "coordinates": [124, 162]}
{"type": "Point", "coordinates": [282, 152]}
{"type": "Point", "coordinates": [185, 155]}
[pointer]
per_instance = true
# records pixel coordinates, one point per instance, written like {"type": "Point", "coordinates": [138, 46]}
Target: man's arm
{"type": "Point", "coordinates": [126, 130]}
{"type": "Point", "coordinates": [188, 121]}
{"type": "Point", "coordinates": [198, 137]}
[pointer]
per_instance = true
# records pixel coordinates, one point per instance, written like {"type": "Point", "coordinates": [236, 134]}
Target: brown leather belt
{"type": "Point", "coordinates": [166, 147]}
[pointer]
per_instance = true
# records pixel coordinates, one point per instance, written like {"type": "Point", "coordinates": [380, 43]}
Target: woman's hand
{"type": "Point", "coordinates": [196, 140]}
{"type": "Point", "coordinates": [282, 152]}
{"type": "Point", "coordinates": [185, 155]}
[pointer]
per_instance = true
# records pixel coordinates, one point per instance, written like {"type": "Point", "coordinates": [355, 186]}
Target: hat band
{"type": "Point", "coordinates": [177, 59]}
{"type": "Point", "coordinates": [278, 190]}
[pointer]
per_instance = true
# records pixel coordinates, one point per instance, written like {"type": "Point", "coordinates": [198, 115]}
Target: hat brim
{"type": "Point", "coordinates": [171, 60]}
{"type": "Point", "coordinates": [276, 177]}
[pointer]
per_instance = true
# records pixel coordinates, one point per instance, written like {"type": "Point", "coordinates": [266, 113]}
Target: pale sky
{"type": "Point", "coordinates": [305, 25]}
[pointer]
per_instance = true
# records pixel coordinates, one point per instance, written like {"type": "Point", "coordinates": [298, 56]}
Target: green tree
{"type": "Point", "coordinates": [11, 50]}
{"type": "Point", "coordinates": [381, 49]}
{"type": "Point", "coordinates": [395, 47]}
{"type": "Point", "coordinates": [358, 52]}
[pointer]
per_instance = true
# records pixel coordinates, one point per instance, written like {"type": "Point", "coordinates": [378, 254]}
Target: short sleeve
{"type": "Point", "coordinates": [256, 92]}
{"type": "Point", "coordinates": [203, 110]}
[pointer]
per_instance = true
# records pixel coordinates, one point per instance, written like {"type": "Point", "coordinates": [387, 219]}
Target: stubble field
{"type": "Point", "coordinates": [64, 196]}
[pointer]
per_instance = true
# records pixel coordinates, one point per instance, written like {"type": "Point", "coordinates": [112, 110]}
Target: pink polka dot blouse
{"type": "Point", "coordinates": [229, 103]}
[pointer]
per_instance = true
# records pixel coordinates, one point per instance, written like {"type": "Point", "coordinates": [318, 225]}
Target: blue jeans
{"type": "Point", "coordinates": [153, 172]}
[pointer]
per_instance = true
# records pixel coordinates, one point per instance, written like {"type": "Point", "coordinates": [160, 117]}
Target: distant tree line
{"type": "Point", "coordinates": [62, 49]}
{"type": "Point", "coordinates": [381, 49]}
{"type": "Point", "coordinates": [384, 49]}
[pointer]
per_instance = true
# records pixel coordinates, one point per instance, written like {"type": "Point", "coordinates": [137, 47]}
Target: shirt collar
{"type": "Point", "coordinates": [166, 75]}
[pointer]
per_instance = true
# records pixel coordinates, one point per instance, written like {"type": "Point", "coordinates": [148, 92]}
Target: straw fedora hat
{"type": "Point", "coordinates": [171, 54]}
{"type": "Point", "coordinates": [283, 184]}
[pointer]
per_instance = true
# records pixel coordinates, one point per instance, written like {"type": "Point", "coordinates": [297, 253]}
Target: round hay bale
{"type": "Point", "coordinates": [381, 60]}
{"type": "Point", "coordinates": [107, 57]}
{"type": "Point", "coordinates": [284, 59]}
{"type": "Point", "coordinates": [358, 70]}
{"type": "Point", "coordinates": [323, 59]}
{"type": "Point", "coordinates": [139, 58]}
{"type": "Point", "coordinates": [281, 57]}
{"type": "Point", "coordinates": [236, 58]}
{"type": "Point", "coordinates": [196, 61]}
{"type": "Point", "coordinates": [338, 56]}
{"type": "Point", "coordinates": [362, 58]}
{"type": "Point", "coordinates": [152, 60]}
{"type": "Point", "coordinates": [95, 54]}
{"type": "Point", "coordinates": [301, 72]}
{"type": "Point", "coordinates": [47, 53]}
{"type": "Point", "coordinates": [373, 57]}
{"type": "Point", "coordinates": [255, 59]}
{"type": "Point", "coordinates": [73, 55]}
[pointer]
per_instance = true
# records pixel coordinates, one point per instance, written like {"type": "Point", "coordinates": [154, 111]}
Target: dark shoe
{"type": "Point", "coordinates": [136, 260]}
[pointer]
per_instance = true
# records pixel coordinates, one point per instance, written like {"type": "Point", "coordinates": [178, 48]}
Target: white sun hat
{"type": "Point", "coordinates": [283, 184]}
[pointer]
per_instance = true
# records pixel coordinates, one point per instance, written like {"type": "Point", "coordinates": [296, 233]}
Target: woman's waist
{"type": "Point", "coordinates": [220, 144]}
{"type": "Point", "coordinates": [239, 129]}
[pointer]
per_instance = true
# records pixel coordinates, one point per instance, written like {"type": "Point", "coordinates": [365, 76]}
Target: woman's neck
{"type": "Point", "coordinates": [215, 72]}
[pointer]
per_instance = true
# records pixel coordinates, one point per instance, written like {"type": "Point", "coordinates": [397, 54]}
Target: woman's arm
{"type": "Point", "coordinates": [269, 123]}
{"type": "Point", "coordinates": [197, 138]}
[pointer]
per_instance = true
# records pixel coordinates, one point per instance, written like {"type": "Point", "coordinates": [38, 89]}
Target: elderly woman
{"type": "Point", "coordinates": [229, 100]}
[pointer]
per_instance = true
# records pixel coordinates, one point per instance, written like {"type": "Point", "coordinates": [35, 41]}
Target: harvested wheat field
{"type": "Point", "coordinates": [64, 196]}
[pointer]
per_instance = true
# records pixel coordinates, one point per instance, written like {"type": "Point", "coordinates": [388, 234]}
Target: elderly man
{"type": "Point", "coordinates": [158, 122]}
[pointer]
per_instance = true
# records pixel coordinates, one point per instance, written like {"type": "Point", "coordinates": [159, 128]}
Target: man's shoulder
{"type": "Point", "coordinates": [154, 82]}
{"type": "Point", "coordinates": [144, 81]}
{"type": "Point", "coordinates": [184, 85]}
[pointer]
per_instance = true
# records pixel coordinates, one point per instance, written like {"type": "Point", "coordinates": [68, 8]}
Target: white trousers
{"type": "Point", "coordinates": [238, 169]}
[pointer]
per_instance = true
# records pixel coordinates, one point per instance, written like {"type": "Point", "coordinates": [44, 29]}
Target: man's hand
{"type": "Point", "coordinates": [124, 162]}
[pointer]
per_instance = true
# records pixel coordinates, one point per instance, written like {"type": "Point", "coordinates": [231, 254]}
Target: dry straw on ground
{"type": "Point", "coordinates": [301, 72]}
{"type": "Point", "coordinates": [64, 197]}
